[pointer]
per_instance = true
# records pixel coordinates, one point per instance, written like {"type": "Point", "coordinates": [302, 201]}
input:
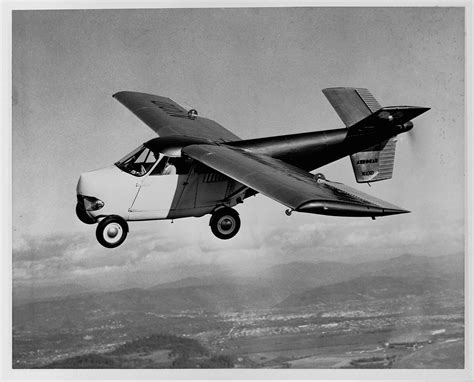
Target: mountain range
{"type": "Point", "coordinates": [286, 285]}
{"type": "Point", "coordinates": [285, 279]}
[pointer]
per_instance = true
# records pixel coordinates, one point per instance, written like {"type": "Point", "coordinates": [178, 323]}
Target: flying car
{"type": "Point", "coordinates": [196, 167]}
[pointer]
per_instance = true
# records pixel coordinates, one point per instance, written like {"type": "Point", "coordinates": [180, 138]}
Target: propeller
{"type": "Point", "coordinates": [409, 133]}
{"type": "Point", "coordinates": [414, 141]}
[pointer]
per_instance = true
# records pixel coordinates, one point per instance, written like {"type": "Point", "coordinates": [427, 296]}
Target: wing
{"type": "Point", "coordinates": [167, 118]}
{"type": "Point", "coordinates": [289, 185]}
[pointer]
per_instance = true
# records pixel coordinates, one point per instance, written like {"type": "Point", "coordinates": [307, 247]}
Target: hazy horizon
{"type": "Point", "coordinates": [177, 271]}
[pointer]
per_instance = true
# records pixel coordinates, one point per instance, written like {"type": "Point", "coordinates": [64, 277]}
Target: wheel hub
{"type": "Point", "coordinates": [226, 224]}
{"type": "Point", "coordinates": [112, 231]}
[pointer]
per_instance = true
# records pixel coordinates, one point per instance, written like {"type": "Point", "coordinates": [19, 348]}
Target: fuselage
{"type": "Point", "coordinates": [309, 151]}
{"type": "Point", "coordinates": [196, 190]}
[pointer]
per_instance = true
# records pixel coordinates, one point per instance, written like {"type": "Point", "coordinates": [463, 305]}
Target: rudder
{"type": "Point", "coordinates": [355, 106]}
{"type": "Point", "coordinates": [352, 104]}
{"type": "Point", "coordinates": [375, 163]}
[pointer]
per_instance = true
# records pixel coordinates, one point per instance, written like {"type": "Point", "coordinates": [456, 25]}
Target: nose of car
{"type": "Point", "coordinates": [93, 182]}
{"type": "Point", "coordinates": [85, 184]}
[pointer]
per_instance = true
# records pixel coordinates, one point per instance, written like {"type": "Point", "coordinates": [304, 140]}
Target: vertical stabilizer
{"type": "Point", "coordinates": [375, 163]}
{"type": "Point", "coordinates": [361, 113]}
{"type": "Point", "coordinates": [352, 104]}
{"type": "Point", "coordinates": [355, 106]}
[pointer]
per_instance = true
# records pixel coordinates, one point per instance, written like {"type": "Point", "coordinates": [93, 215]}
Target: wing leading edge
{"type": "Point", "coordinates": [167, 118]}
{"type": "Point", "coordinates": [289, 185]}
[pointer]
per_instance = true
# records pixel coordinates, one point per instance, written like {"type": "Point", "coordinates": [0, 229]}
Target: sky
{"type": "Point", "coordinates": [258, 72]}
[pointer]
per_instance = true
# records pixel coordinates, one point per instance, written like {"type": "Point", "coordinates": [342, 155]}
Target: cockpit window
{"type": "Point", "coordinates": [172, 166]}
{"type": "Point", "coordinates": [138, 162]}
{"type": "Point", "coordinates": [160, 167]}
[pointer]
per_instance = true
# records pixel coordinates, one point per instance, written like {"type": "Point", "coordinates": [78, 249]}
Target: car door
{"type": "Point", "coordinates": [161, 192]}
{"type": "Point", "coordinates": [212, 188]}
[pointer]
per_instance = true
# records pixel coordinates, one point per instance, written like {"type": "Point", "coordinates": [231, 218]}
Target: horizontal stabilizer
{"type": "Point", "coordinates": [359, 110]}
{"type": "Point", "coordinates": [390, 115]}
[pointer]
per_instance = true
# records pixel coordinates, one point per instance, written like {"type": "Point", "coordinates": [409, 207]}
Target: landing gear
{"type": "Point", "coordinates": [225, 223]}
{"type": "Point", "coordinates": [82, 216]}
{"type": "Point", "coordinates": [111, 231]}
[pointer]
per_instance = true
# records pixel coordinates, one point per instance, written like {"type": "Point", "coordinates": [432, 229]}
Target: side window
{"type": "Point", "coordinates": [172, 166]}
{"type": "Point", "coordinates": [158, 170]}
{"type": "Point", "coordinates": [138, 162]}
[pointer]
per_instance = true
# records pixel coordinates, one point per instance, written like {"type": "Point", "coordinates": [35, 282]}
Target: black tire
{"type": "Point", "coordinates": [225, 223]}
{"type": "Point", "coordinates": [82, 216]}
{"type": "Point", "coordinates": [111, 231]}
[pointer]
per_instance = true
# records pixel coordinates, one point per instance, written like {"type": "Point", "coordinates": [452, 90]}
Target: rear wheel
{"type": "Point", "coordinates": [225, 223]}
{"type": "Point", "coordinates": [82, 215]}
{"type": "Point", "coordinates": [111, 231]}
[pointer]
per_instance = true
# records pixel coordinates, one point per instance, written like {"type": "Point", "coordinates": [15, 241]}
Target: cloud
{"type": "Point", "coordinates": [169, 251]}
{"type": "Point", "coordinates": [79, 258]}
{"type": "Point", "coordinates": [65, 257]}
{"type": "Point", "coordinates": [38, 248]}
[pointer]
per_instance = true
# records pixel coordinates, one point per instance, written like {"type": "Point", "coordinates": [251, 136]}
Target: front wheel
{"type": "Point", "coordinates": [225, 223]}
{"type": "Point", "coordinates": [111, 231]}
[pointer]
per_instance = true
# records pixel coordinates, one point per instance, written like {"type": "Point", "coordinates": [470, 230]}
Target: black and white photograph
{"type": "Point", "coordinates": [241, 188]}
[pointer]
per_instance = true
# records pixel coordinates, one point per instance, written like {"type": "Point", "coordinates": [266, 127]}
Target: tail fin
{"type": "Point", "coordinates": [352, 104]}
{"type": "Point", "coordinates": [360, 112]}
{"type": "Point", "coordinates": [375, 163]}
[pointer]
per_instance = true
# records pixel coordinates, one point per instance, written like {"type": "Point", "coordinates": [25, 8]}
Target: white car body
{"type": "Point", "coordinates": [155, 197]}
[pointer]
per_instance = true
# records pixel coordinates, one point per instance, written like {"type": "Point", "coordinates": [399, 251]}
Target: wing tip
{"type": "Point", "coordinates": [336, 208]}
{"type": "Point", "coordinates": [123, 93]}
{"type": "Point", "coordinates": [396, 211]}
{"type": "Point", "coordinates": [341, 88]}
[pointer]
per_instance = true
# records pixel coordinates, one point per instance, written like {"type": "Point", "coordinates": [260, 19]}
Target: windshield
{"type": "Point", "coordinates": [138, 162]}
